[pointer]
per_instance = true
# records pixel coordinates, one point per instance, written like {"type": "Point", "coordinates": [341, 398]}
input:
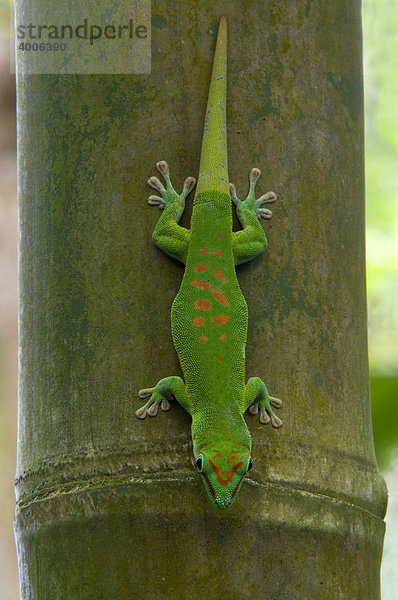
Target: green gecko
{"type": "Point", "coordinates": [209, 314]}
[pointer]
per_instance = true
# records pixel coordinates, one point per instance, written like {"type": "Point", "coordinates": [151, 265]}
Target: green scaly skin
{"type": "Point", "coordinates": [209, 314]}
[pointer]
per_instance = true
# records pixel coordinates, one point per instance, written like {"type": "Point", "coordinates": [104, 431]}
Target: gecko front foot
{"type": "Point", "coordinates": [169, 388]}
{"type": "Point", "coordinates": [258, 400]}
{"type": "Point", "coordinates": [168, 193]}
{"type": "Point", "coordinates": [152, 405]}
{"type": "Point", "coordinates": [266, 413]}
{"type": "Point", "coordinates": [251, 205]}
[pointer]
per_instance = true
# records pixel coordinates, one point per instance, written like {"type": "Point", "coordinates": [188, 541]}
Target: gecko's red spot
{"type": "Point", "coordinates": [202, 304]}
{"type": "Point", "coordinates": [200, 268]}
{"type": "Point", "coordinates": [223, 337]}
{"type": "Point", "coordinates": [218, 253]}
{"type": "Point", "coordinates": [204, 251]}
{"type": "Point", "coordinates": [198, 321]}
{"type": "Point", "coordinates": [224, 477]}
{"type": "Point", "coordinates": [203, 338]}
{"type": "Point", "coordinates": [218, 275]}
{"type": "Point", "coordinates": [220, 358]}
{"type": "Point", "coordinates": [220, 319]}
{"type": "Point", "coordinates": [220, 297]}
{"type": "Point", "coordinates": [202, 285]}
{"type": "Point", "coordinates": [232, 457]}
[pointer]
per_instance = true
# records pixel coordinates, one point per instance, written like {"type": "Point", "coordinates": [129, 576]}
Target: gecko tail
{"type": "Point", "coordinates": [213, 170]}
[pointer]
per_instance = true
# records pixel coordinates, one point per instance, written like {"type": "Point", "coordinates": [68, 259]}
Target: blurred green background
{"type": "Point", "coordinates": [381, 103]}
{"type": "Point", "coordinates": [380, 20]}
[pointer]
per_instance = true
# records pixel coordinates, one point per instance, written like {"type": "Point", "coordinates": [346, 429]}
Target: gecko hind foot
{"type": "Point", "coordinates": [264, 407]}
{"type": "Point", "coordinates": [168, 193]}
{"type": "Point", "coordinates": [152, 405]}
{"type": "Point", "coordinates": [251, 204]}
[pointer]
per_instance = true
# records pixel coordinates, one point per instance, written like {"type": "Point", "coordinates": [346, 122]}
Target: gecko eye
{"type": "Point", "coordinates": [199, 463]}
{"type": "Point", "coordinates": [250, 465]}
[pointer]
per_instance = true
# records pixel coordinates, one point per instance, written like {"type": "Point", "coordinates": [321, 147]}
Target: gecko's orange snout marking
{"type": "Point", "coordinates": [224, 477]}
{"type": "Point", "coordinates": [232, 457]}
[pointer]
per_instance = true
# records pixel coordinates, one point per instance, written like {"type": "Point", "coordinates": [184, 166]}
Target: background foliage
{"type": "Point", "coordinates": [381, 91]}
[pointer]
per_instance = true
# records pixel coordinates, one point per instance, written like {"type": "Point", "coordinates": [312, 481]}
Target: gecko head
{"type": "Point", "coordinates": [223, 466]}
